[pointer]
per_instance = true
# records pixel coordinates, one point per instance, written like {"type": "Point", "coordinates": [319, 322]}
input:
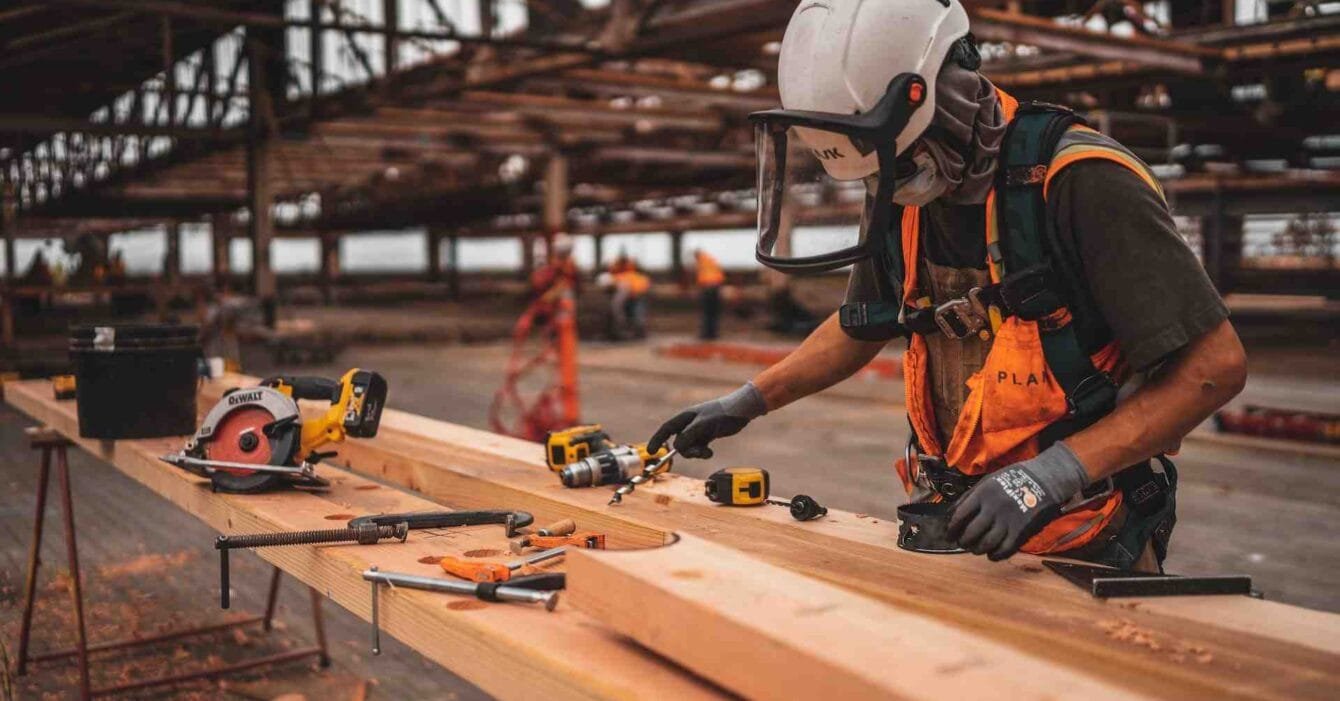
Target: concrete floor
{"type": "Point", "coordinates": [1269, 515]}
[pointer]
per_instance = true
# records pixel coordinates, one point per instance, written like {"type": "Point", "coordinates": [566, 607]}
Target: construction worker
{"type": "Point", "coordinates": [709, 278]}
{"type": "Point", "coordinates": [629, 303]}
{"type": "Point", "coordinates": [1031, 263]}
{"type": "Point", "coordinates": [559, 271]}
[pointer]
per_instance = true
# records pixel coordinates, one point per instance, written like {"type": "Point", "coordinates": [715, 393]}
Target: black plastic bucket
{"type": "Point", "coordinates": [135, 381]}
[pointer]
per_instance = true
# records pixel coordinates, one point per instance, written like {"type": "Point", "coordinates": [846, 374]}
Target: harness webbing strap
{"type": "Point", "coordinates": [1023, 222]}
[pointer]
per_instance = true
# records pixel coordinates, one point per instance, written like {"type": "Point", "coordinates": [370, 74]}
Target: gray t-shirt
{"type": "Point", "coordinates": [1149, 292]}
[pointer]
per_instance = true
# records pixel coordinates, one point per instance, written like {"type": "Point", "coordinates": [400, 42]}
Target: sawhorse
{"type": "Point", "coordinates": [54, 445]}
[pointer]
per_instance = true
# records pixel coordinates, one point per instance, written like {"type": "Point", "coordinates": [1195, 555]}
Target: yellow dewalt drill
{"type": "Point", "coordinates": [566, 446]}
{"type": "Point", "coordinates": [585, 456]}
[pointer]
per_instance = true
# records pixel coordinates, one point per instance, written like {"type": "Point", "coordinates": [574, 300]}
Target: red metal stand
{"type": "Point", "coordinates": [552, 316]}
{"type": "Point", "coordinates": [51, 443]}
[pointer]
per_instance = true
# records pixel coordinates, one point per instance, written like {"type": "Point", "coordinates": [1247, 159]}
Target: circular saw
{"type": "Point", "coordinates": [256, 439]}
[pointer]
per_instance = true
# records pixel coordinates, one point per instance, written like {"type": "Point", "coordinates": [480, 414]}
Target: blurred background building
{"type": "Point", "coordinates": [311, 150]}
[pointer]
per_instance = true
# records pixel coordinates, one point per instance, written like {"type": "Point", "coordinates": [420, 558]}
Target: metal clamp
{"type": "Point", "coordinates": [958, 318]}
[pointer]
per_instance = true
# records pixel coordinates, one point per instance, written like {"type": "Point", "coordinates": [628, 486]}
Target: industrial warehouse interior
{"type": "Point", "coordinates": [488, 331]}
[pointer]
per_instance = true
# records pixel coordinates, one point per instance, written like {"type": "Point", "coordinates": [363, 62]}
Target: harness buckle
{"type": "Point", "coordinates": [959, 319]}
{"type": "Point", "coordinates": [1028, 294]}
{"type": "Point", "coordinates": [854, 315]}
{"type": "Point", "coordinates": [1093, 395]}
{"type": "Point", "coordinates": [933, 473]}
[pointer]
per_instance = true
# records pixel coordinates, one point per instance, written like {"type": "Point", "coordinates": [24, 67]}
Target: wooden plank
{"type": "Point", "coordinates": [1209, 650]}
{"type": "Point", "coordinates": [511, 651]}
{"type": "Point", "coordinates": [766, 632]}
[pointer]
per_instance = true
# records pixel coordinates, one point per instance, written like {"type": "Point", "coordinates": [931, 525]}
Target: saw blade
{"type": "Point", "coordinates": [240, 437]}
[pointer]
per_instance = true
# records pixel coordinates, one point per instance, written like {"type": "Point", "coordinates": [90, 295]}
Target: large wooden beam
{"type": "Point", "coordinates": [768, 633]}
{"type": "Point", "coordinates": [509, 651]}
{"type": "Point", "coordinates": [1223, 647]}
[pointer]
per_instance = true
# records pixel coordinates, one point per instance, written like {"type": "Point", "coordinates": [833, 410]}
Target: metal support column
{"type": "Point", "coordinates": [453, 268]}
{"type": "Point", "coordinates": [330, 265]}
{"type": "Point", "coordinates": [391, 40]}
{"type": "Point", "coordinates": [677, 255]}
{"type": "Point", "coordinates": [220, 239]}
{"type": "Point", "coordinates": [1221, 244]}
{"type": "Point", "coordinates": [172, 254]}
{"type": "Point", "coordinates": [556, 194]}
{"type": "Point", "coordinates": [434, 237]}
{"type": "Point", "coordinates": [527, 242]}
{"type": "Point", "coordinates": [260, 181]}
{"type": "Point", "coordinates": [11, 267]}
{"type": "Point", "coordinates": [317, 42]}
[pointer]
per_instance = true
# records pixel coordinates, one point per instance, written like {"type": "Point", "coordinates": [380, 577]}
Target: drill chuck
{"type": "Point", "coordinates": [613, 466]}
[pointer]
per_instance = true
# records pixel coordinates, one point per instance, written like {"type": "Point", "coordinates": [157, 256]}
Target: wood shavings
{"type": "Point", "coordinates": [1127, 632]}
{"type": "Point", "coordinates": [145, 564]}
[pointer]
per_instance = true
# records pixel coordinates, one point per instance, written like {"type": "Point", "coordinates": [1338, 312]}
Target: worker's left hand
{"type": "Point", "coordinates": [696, 427]}
{"type": "Point", "coordinates": [1006, 508]}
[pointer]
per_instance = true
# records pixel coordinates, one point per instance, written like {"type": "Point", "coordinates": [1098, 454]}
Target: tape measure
{"type": "Point", "coordinates": [738, 486]}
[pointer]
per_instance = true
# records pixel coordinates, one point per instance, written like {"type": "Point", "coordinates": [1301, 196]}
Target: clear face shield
{"type": "Point", "coordinates": [818, 164]}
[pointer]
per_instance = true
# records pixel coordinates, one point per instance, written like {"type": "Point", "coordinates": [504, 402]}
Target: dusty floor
{"type": "Point", "coordinates": [1272, 516]}
{"type": "Point", "coordinates": [149, 567]}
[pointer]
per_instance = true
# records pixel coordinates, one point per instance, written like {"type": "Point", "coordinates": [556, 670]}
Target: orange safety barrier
{"type": "Point", "coordinates": [553, 318]}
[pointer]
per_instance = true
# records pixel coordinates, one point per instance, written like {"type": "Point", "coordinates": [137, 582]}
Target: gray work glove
{"type": "Point", "coordinates": [1006, 508]}
{"type": "Point", "coordinates": [696, 427]}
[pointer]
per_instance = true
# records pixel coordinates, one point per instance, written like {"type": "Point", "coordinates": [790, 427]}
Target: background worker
{"type": "Point", "coordinates": [1012, 370]}
{"type": "Point", "coordinates": [709, 278]}
{"type": "Point", "coordinates": [629, 303]}
{"type": "Point", "coordinates": [559, 271]}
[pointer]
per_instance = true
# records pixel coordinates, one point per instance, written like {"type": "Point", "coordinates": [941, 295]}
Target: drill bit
{"type": "Point", "coordinates": [649, 472]}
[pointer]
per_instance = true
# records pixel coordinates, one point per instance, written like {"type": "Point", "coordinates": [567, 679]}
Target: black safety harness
{"type": "Point", "coordinates": [1033, 287]}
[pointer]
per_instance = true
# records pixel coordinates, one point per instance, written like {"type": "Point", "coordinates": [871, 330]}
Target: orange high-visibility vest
{"type": "Point", "coordinates": [634, 283]}
{"type": "Point", "coordinates": [709, 271]}
{"type": "Point", "coordinates": [1014, 396]}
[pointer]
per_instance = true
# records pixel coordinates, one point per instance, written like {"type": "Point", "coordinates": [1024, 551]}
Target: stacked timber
{"type": "Point", "coordinates": [695, 600]}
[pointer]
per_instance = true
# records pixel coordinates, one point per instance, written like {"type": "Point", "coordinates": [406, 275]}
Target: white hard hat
{"type": "Point", "coordinates": [561, 244]}
{"type": "Point", "coordinates": [838, 56]}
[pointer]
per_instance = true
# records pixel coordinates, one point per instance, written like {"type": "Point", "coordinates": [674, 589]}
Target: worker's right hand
{"type": "Point", "coordinates": [696, 427]}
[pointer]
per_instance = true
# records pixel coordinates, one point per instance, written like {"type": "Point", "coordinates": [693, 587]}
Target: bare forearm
{"type": "Point", "coordinates": [826, 358]}
{"type": "Point", "coordinates": [1187, 390]}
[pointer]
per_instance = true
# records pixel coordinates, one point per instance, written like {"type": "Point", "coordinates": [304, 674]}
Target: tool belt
{"type": "Point", "coordinates": [1149, 500]}
{"type": "Point", "coordinates": [922, 525]}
